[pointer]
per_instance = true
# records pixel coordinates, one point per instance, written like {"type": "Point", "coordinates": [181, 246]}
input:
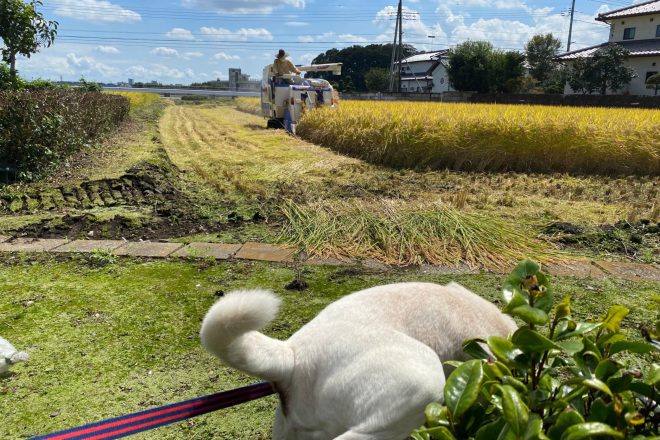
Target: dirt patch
{"type": "Point", "coordinates": [153, 189]}
{"type": "Point", "coordinates": [639, 240]}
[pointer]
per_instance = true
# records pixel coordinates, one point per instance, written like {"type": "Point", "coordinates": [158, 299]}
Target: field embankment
{"type": "Point", "coordinates": [38, 130]}
{"type": "Point", "coordinates": [248, 105]}
{"type": "Point", "coordinates": [483, 137]}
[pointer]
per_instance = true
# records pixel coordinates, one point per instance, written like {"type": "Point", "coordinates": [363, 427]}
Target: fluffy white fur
{"type": "Point", "coordinates": [366, 367]}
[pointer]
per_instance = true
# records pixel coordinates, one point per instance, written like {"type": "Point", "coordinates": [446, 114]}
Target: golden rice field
{"type": "Point", "coordinates": [490, 137]}
{"type": "Point", "coordinates": [138, 99]}
{"type": "Point", "coordinates": [248, 104]}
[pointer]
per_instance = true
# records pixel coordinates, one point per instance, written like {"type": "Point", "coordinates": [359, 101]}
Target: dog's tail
{"type": "Point", "coordinates": [229, 331]}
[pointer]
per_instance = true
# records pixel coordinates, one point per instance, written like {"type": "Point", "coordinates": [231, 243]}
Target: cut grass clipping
{"type": "Point", "coordinates": [486, 137]}
{"type": "Point", "coordinates": [403, 234]}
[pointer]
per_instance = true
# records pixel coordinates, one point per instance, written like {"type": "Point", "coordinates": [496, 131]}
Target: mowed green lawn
{"type": "Point", "coordinates": [123, 338]}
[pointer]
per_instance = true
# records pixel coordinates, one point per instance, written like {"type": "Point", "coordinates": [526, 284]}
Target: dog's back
{"type": "Point", "coordinates": [365, 367]}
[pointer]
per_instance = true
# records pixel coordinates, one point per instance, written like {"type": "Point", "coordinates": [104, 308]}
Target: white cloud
{"type": "Point", "coordinates": [351, 38]}
{"type": "Point", "coordinates": [307, 58]}
{"type": "Point", "coordinates": [158, 72]}
{"type": "Point", "coordinates": [222, 56]}
{"type": "Point", "coordinates": [165, 52]}
{"type": "Point", "coordinates": [95, 10]}
{"type": "Point", "coordinates": [90, 66]}
{"type": "Point", "coordinates": [242, 34]}
{"type": "Point", "coordinates": [243, 6]}
{"type": "Point", "coordinates": [415, 29]}
{"type": "Point", "coordinates": [110, 50]}
{"type": "Point", "coordinates": [326, 36]}
{"type": "Point", "coordinates": [296, 23]}
{"type": "Point", "coordinates": [189, 55]}
{"type": "Point", "coordinates": [180, 34]}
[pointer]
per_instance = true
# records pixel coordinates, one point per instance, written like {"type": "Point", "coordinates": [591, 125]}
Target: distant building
{"type": "Point", "coordinates": [130, 82]}
{"type": "Point", "coordinates": [241, 81]}
{"type": "Point", "coordinates": [425, 73]}
{"type": "Point", "coordinates": [637, 29]}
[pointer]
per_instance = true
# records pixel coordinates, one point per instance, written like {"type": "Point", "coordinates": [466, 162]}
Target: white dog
{"type": "Point", "coordinates": [364, 368]}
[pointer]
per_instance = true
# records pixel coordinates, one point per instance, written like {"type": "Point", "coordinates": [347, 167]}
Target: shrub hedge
{"type": "Point", "coordinates": [39, 129]}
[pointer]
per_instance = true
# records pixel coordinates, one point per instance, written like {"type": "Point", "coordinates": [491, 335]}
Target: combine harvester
{"type": "Point", "coordinates": [285, 97]}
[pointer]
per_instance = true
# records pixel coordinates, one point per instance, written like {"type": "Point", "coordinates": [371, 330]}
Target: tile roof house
{"type": "Point", "coordinates": [637, 29]}
{"type": "Point", "coordinates": [425, 73]}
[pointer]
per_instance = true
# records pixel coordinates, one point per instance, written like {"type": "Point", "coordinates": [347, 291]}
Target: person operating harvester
{"type": "Point", "coordinates": [283, 65]}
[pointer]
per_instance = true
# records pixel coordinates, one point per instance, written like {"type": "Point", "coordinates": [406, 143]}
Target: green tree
{"type": "Point", "coordinates": [347, 85]}
{"type": "Point", "coordinates": [357, 61]}
{"type": "Point", "coordinates": [604, 70]}
{"type": "Point", "coordinates": [23, 30]}
{"type": "Point", "coordinates": [540, 52]}
{"type": "Point", "coordinates": [377, 79]}
{"type": "Point", "coordinates": [469, 65]}
{"type": "Point", "coordinates": [506, 72]}
{"type": "Point", "coordinates": [653, 83]}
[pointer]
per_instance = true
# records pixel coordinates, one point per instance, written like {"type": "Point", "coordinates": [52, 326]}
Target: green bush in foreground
{"type": "Point", "coordinates": [553, 379]}
{"type": "Point", "coordinates": [39, 129]}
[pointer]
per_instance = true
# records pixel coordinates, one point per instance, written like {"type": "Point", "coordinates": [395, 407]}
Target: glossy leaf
{"type": "Point", "coordinates": [563, 309]}
{"type": "Point", "coordinates": [612, 321]}
{"type": "Point", "coordinates": [491, 430]}
{"type": "Point", "coordinates": [439, 433]}
{"type": "Point", "coordinates": [606, 368]}
{"type": "Point", "coordinates": [436, 415]}
{"type": "Point", "coordinates": [571, 347]}
{"type": "Point", "coordinates": [531, 341]}
{"type": "Point", "coordinates": [474, 348]}
{"type": "Point", "coordinates": [534, 429]}
{"type": "Point", "coordinates": [590, 429]}
{"type": "Point", "coordinates": [529, 314]}
{"type": "Point", "coordinates": [631, 346]}
{"type": "Point", "coordinates": [566, 419]}
{"type": "Point", "coordinates": [514, 410]}
{"type": "Point", "coordinates": [462, 387]}
{"type": "Point", "coordinates": [505, 352]}
{"type": "Point", "coordinates": [565, 332]}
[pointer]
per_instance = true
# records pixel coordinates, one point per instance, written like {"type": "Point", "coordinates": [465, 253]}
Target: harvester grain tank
{"type": "Point", "coordinates": [285, 97]}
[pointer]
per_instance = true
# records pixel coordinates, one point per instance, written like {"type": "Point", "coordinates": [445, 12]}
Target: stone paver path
{"type": "Point", "coordinates": [283, 254]}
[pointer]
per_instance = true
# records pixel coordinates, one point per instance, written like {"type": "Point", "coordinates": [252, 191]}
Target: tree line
{"type": "Point", "coordinates": [477, 66]}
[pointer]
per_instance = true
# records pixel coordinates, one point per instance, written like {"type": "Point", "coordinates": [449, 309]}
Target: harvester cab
{"type": "Point", "coordinates": [284, 98]}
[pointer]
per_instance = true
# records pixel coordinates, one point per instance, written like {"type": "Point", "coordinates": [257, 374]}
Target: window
{"type": "Point", "coordinates": [648, 75]}
{"type": "Point", "coordinates": [629, 34]}
{"type": "Point", "coordinates": [657, 31]}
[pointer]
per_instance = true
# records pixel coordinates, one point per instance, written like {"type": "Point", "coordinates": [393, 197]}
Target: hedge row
{"type": "Point", "coordinates": [39, 129]}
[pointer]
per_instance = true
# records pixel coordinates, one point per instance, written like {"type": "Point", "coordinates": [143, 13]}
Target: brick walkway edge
{"type": "Point", "coordinates": [282, 254]}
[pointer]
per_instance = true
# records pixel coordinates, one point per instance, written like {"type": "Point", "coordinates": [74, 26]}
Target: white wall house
{"type": "Point", "coordinates": [637, 29]}
{"type": "Point", "coordinates": [425, 73]}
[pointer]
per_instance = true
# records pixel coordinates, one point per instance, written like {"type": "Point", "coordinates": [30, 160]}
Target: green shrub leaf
{"type": "Point", "coordinates": [531, 341]}
{"type": "Point", "coordinates": [436, 415]}
{"type": "Point", "coordinates": [612, 321]}
{"type": "Point", "coordinates": [514, 410]}
{"type": "Point", "coordinates": [566, 419]}
{"type": "Point", "coordinates": [631, 346]}
{"type": "Point", "coordinates": [529, 314]}
{"type": "Point", "coordinates": [462, 387]}
{"type": "Point", "coordinates": [653, 375]}
{"type": "Point", "coordinates": [505, 352]}
{"type": "Point", "coordinates": [588, 430]}
{"type": "Point", "coordinates": [491, 430]}
{"type": "Point", "coordinates": [473, 348]}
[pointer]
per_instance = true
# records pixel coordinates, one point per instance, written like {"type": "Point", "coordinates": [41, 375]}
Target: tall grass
{"type": "Point", "coordinates": [400, 233]}
{"type": "Point", "coordinates": [491, 137]}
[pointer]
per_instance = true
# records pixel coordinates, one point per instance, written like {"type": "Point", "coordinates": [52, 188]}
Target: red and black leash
{"type": "Point", "coordinates": [153, 418]}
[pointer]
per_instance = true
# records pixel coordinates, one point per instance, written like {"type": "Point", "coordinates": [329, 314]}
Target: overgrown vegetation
{"type": "Point", "coordinates": [555, 378]}
{"type": "Point", "coordinates": [482, 137]}
{"type": "Point", "coordinates": [40, 129]}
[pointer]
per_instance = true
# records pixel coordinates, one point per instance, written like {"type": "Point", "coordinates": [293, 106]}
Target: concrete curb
{"type": "Point", "coordinates": [253, 251]}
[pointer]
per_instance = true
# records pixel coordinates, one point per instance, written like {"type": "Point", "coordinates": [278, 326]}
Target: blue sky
{"type": "Point", "coordinates": [184, 41]}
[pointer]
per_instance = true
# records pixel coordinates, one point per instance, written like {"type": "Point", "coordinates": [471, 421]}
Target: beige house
{"type": "Point", "coordinates": [637, 29]}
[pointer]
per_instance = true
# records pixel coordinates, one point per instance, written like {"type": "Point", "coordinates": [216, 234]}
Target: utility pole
{"type": "Point", "coordinates": [570, 28]}
{"type": "Point", "coordinates": [397, 50]}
